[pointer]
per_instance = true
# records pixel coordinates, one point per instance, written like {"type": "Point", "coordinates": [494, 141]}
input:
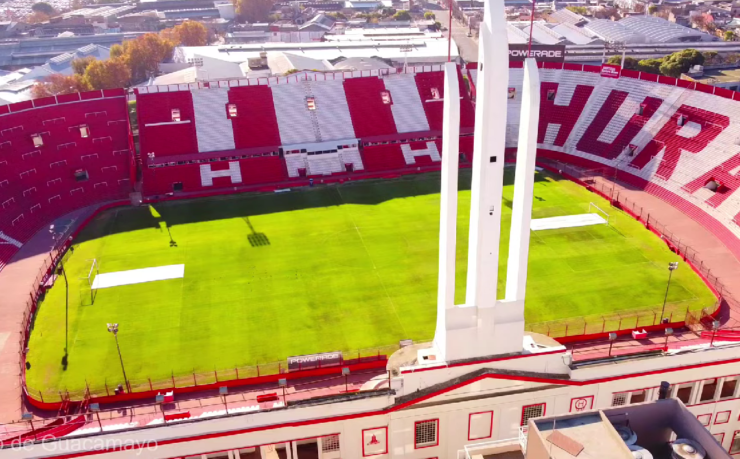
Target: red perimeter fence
{"type": "Point", "coordinates": [570, 330]}
{"type": "Point", "coordinates": [633, 319]}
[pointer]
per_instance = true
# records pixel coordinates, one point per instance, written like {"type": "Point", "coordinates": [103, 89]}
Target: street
{"type": "Point", "coordinates": [468, 47]}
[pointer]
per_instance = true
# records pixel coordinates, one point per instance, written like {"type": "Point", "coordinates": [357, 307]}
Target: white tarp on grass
{"type": "Point", "coordinates": [138, 276]}
{"type": "Point", "coordinates": [566, 221]}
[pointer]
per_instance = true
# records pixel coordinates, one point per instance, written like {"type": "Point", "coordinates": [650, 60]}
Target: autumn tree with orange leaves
{"type": "Point", "coordinates": [143, 55]}
{"type": "Point", "coordinates": [108, 74]}
{"type": "Point", "coordinates": [58, 84]}
{"type": "Point", "coordinates": [189, 33]}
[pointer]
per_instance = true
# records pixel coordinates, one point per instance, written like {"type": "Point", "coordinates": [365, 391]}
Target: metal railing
{"type": "Point", "coordinates": [108, 388]}
{"type": "Point", "coordinates": [630, 319]}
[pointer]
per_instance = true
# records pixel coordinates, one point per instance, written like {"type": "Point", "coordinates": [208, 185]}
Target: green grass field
{"type": "Point", "coordinates": [342, 267]}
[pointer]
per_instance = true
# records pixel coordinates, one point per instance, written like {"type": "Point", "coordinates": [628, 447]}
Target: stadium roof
{"type": "Point", "coordinates": [62, 64]}
{"type": "Point", "coordinates": [566, 16]}
{"type": "Point", "coordinates": [612, 31]}
{"type": "Point", "coordinates": [281, 63]}
{"type": "Point", "coordinates": [661, 31]}
{"type": "Point", "coordinates": [422, 50]}
{"type": "Point", "coordinates": [516, 35]}
{"type": "Point", "coordinates": [573, 34]}
{"type": "Point", "coordinates": [545, 35]}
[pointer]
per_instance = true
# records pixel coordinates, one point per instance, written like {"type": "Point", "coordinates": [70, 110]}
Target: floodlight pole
{"type": "Point", "coordinates": [671, 267]}
{"type": "Point", "coordinates": [113, 328]}
{"type": "Point", "coordinates": [449, 32]}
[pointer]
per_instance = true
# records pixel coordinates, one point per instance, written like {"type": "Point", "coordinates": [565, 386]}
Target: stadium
{"type": "Point", "coordinates": [282, 234]}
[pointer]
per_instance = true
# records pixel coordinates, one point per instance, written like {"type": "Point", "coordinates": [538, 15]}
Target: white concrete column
{"type": "Point", "coordinates": [488, 157]}
{"type": "Point", "coordinates": [448, 206]}
{"type": "Point", "coordinates": [508, 330]}
{"type": "Point", "coordinates": [521, 215]}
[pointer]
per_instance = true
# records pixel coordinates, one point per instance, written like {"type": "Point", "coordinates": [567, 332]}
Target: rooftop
{"type": "Point", "coordinates": [659, 428]}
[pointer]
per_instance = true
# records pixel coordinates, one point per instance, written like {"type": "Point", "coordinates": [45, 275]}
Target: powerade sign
{"type": "Point", "coordinates": [541, 53]}
{"type": "Point", "coordinates": [304, 362]}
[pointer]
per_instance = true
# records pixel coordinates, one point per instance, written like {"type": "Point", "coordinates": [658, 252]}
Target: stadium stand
{"type": "Point", "coordinates": [212, 125]}
{"type": "Point", "coordinates": [677, 139]}
{"type": "Point", "coordinates": [57, 155]}
{"type": "Point", "coordinates": [166, 123]}
{"type": "Point", "coordinates": [254, 123]}
{"type": "Point", "coordinates": [371, 113]}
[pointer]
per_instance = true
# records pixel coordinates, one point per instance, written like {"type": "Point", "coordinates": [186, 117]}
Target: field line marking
{"type": "Point", "coordinates": [375, 268]}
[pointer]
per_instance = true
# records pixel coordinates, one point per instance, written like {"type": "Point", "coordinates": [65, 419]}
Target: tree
{"type": "Point", "coordinates": [191, 33]}
{"type": "Point", "coordinates": [607, 13]}
{"type": "Point", "coordinates": [338, 15]}
{"type": "Point", "coordinates": [57, 84]}
{"type": "Point", "coordinates": [116, 51]}
{"type": "Point", "coordinates": [732, 58]}
{"type": "Point", "coordinates": [650, 65]}
{"type": "Point", "coordinates": [699, 22]}
{"type": "Point", "coordinates": [729, 35]}
{"type": "Point", "coordinates": [79, 65]}
{"type": "Point", "coordinates": [671, 68]}
{"type": "Point", "coordinates": [253, 10]}
{"type": "Point", "coordinates": [437, 25]}
{"type": "Point", "coordinates": [143, 55]}
{"type": "Point", "coordinates": [43, 7]}
{"type": "Point", "coordinates": [582, 10]}
{"type": "Point", "coordinates": [429, 15]}
{"type": "Point", "coordinates": [630, 63]}
{"type": "Point", "coordinates": [712, 57]}
{"type": "Point", "coordinates": [110, 74]}
{"type": "Point", "coordinates": [652, 9]}
{"type": "Point", "coordinates": [37, 17]}
{"type": "Point", "coordinates": [402, 15]}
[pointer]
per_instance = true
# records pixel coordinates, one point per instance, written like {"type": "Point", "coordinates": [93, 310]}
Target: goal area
{"type": "Point", "coordinates": [86, 283]}
{"type": "Point", "coordinates": [593, 208]}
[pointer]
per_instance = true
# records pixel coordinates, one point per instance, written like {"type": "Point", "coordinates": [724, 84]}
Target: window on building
{"type": "Point", "coordinates": [704, 419]}
{"type": "Point", "coordinates": [37, 140]}
{"type": "Point", "coordinates": [232, 110]}
{"type": "Point", "coordinates": [683, 392]}
{"type": "Point", "coordinates": [620, 398]}
{"type": "Point", "coordinates": [638, 396]}
{"type": "Point", "coordinates": [550, 94]}
{"type": "Point", "coordinates": [81, 175]}
{"type": "Point", "coordinates": [426, 433]}
{"type": "Point", "coordinates": [386, 96]}
{"type": "Point", "coordinates": [729, 385]}
{"type": "Point", "coordinates": [175, 114]}
{"type": "Point", "coordinates": [311, 103]}
{"type": "Point", "coordinates": [435, 93]}
{"type": "Point", "coordinates": [720, 437]}
{"type": "Point", "coordinates": [532, 411]}
{"type": "Point", "coordinates": [723, 417]}
{"type": "Point", "coordinates": [84, 132]}
{"type": "Point", "coordinates": [681, 120]}
{"type": "Point", "coordinates": [641, 109]}
{"type": "Point", "coordinates": [735, 446]}
{"type": "Point", "coordinates": [708, 390]}
{"type": "Point", "coordinates": [330, 443]}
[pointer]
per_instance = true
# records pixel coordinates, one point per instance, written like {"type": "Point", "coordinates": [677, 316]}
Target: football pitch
{"type": "Point", "coordinates": [345, 267]}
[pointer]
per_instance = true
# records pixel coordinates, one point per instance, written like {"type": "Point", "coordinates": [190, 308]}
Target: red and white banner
{"type": "Point", "coordinates": [610, 70]}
